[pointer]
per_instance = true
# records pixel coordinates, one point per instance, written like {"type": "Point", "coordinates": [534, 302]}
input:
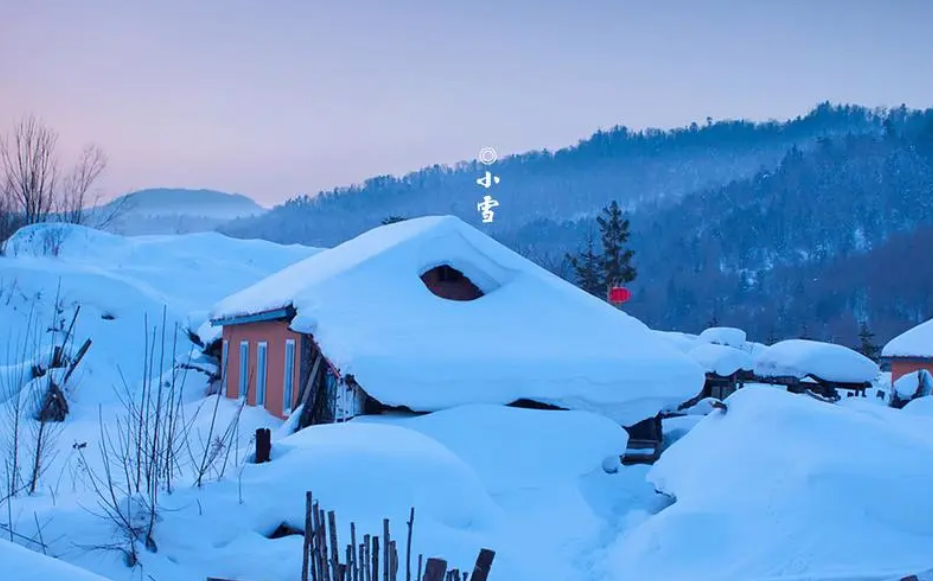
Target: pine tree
{"type": "Point", "coordinates": [866, 346]}
{"type": "Point", "coordinates": [616, 258]}
{"type": "Point", "coordinates": [588, 269]}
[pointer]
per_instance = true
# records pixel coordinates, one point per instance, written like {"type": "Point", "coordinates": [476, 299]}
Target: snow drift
{"type": "Point", "coordinates": [720, 359]}
{"type": "Point", "coordinates": [532, 335]}
{"type": "Point", "coordinates": [784, 486]}
{"type": "Point", "coordinates": [20, 564]}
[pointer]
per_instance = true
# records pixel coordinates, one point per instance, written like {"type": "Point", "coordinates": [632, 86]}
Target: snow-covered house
{"type": "Point", "coordinates": [822, 368]}
{"type": "Point", "coordinates": [910, 351]}
{"type": "Point", "coordinates": [428, 314]}
{"type": "Point", "coordinates": [727, 368]}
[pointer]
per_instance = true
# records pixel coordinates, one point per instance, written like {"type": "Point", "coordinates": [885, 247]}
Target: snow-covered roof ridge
{"type": "Point", "coordinates": [914, 342]}
{"type": "Point", "coordinates": [801, 358]}
{"type": "Point", "coordinates": [532, 334]}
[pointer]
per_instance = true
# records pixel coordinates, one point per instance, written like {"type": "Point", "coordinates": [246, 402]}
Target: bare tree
{"type": "Point", "coordinates": [29, 170]}
{"type": "Point", "coordinates": [34, 187]}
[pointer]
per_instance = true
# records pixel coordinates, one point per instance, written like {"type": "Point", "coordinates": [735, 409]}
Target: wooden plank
{"type": "Point", "coordinates": [435, 570]}
{"type": "Point", "coordinates": [483, 565]}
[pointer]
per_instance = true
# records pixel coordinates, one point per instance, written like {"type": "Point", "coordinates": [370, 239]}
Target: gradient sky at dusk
{"type": "Point", "coordinates": [274, 98]}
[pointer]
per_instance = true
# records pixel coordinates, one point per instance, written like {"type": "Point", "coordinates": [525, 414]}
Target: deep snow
{"type": "Point", "coordinates": [914, 342]}
{"type": "Point", "coordinates": [801, 358]}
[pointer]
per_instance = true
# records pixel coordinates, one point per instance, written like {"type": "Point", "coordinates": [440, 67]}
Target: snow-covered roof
{"type": "Point", "coordinates": [724, 336]}
{"type": "Point", "coordinates": [720, 359]}
{"type": "Point", "coordinates": [683, 342]}
{"type": "Point", "coordinates": [914, 342]}
{"type": "Point", "coordinates": [532, 335]}
{"type": "Point", "coordinates": [801, 358]}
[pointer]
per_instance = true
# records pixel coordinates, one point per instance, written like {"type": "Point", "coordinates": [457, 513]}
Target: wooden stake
{"type": "Point", "coordinates": [411, 525]}
{"type": "Point", "coordinates": [334, 547]}
{"type": "Point", "coordinates": [482, 566]}
{"type": "Point", "coordinates": [375, 558]}
{"type": "Point", "coordinates": [393, 562]}
{"type": "Point", "coordinates": [386, 539]}
{"type": "Point", "coordinates": [418, 578]}
{"type": "Point", "coordinates": [435, 569]}
{"type": "Point", "coordinates": [367, 561]}
{"type": "Point", "coordinates": [322, 544]}
{"type": "Point", "coordinates": [354, 566]}
{"type": "Point", "coordinates": [306, 546]}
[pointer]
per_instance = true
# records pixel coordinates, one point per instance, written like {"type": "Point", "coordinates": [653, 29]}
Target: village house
{"type": "Point", "coordinates": [910, 351]}
{"type": "Point", "coordinates": [428, 314]}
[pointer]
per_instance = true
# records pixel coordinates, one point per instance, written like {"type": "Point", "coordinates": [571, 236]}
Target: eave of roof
{"type": "Point", "coordinates": [274, 315]}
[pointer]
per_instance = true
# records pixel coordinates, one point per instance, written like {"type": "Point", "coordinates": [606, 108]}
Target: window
{"type": "Point", "coordinates": [261, 350]}
{"type": "Point", "coordinates": [289, 375]}
{"type": "Point", "coordinates": [244, 368]}
{"type": "Point", "coordinates": [223, 366]}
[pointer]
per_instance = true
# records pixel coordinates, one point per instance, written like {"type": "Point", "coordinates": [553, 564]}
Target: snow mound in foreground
{"type": "Point", "coordinates": [801, 358]}
{"type": "Point", "coordinates": [785, 486]}
{"type": "Point", "coordinates": [20, 564]}
{"type": "Point", "coordinates": [720, 359]}
{"type": "Point", "coordinates": [522, 448]}
{"type": "Point", "coordinates": [917, 383]}
{"type": "Point", "coordinates": [531, 336]}
{"type": "Point", "coordinates": [369, 471]}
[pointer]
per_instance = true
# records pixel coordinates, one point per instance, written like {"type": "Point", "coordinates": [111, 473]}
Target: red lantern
{"type": "Point", "coordinates": [619, 295]}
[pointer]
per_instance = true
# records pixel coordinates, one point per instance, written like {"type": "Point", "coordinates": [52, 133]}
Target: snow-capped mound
{"type": "Point", "coordinates": [922, 406]}
{"type": "Point", "coordinates": [173, 211]}
{"type": "Point", "coordinates": [122, 286]}
{"type": "Point", "coordinates": [522, 448]}
{"type": "Point", "coordinates": [532, 335]}
{"type": "Point", "coordinates": [915, 342]}
{"type": "Point", "coordinates": [720, 359]}
{"type": "Point", "coordinates": [802, 358]}
{"type": "Point", "coordinates": [21, 564]}
{"type": "Point", "coordinates": [724, 336]}
{"type": "Point", "coordinates": [789, 487]}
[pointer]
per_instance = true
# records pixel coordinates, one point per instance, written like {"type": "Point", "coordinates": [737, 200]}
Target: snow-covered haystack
{"type": "Point", "coordinates": [802, 358]}
{"type": "Point", "coordinates": [120, 285]}
{"type": "Point", "coordinates": [720, 359]}
{"type": "Point", "coordinates": [21, 564]}
{"type": "Point", "coordinates": [729, 336]}
{"type": "Point", "coordinates": [531, 335]}
{"type": "Point", "coordinates": [915, 342]}
{"type": "Point", "coordinates": [789, 487]}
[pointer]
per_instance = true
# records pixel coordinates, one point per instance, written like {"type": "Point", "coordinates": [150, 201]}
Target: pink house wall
{"type": "Point", "coordinates": [900, 368]}
{"type": "Point", "coordinates": [275, 334]}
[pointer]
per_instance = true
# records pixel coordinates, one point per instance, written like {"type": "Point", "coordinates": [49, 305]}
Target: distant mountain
{"type": "Point", "coordinates": [619, 164]}
{"type": "Point", "coordinates": [175, 211]}
{"type": "Point", "coordinates": [732, 222]}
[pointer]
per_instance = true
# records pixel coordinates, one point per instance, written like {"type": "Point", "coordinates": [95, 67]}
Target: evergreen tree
{"type": "Point", "coordinates": [866, 346]}
{"type": "Point", "coordinates": [588, 269]}
{"type": "Point", "coordinates": [616, 257]}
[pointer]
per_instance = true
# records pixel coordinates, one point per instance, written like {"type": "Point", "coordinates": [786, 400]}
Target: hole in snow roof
{"type": "Point", "coordinates": [449, 283]}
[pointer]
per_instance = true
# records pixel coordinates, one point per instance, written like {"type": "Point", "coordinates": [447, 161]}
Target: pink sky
{"type": "Point", "coordinates": [272, 99]}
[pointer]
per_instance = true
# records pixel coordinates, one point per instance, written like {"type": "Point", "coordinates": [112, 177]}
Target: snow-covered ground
{"type": "Point", "coordinates": [778, 487]}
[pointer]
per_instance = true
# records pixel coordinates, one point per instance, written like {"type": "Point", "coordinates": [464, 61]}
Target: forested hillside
{"type": "Point", "coordinates": [805, 227]}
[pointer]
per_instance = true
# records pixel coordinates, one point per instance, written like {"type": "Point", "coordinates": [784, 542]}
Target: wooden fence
{"type": "Point", "coordinates": [371, 557]}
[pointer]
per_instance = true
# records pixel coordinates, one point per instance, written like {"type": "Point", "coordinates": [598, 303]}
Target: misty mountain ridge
{"type": "Point", "coordinates": [728, 217]}
{"type": "Point", "coordinates": [176, 211]}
